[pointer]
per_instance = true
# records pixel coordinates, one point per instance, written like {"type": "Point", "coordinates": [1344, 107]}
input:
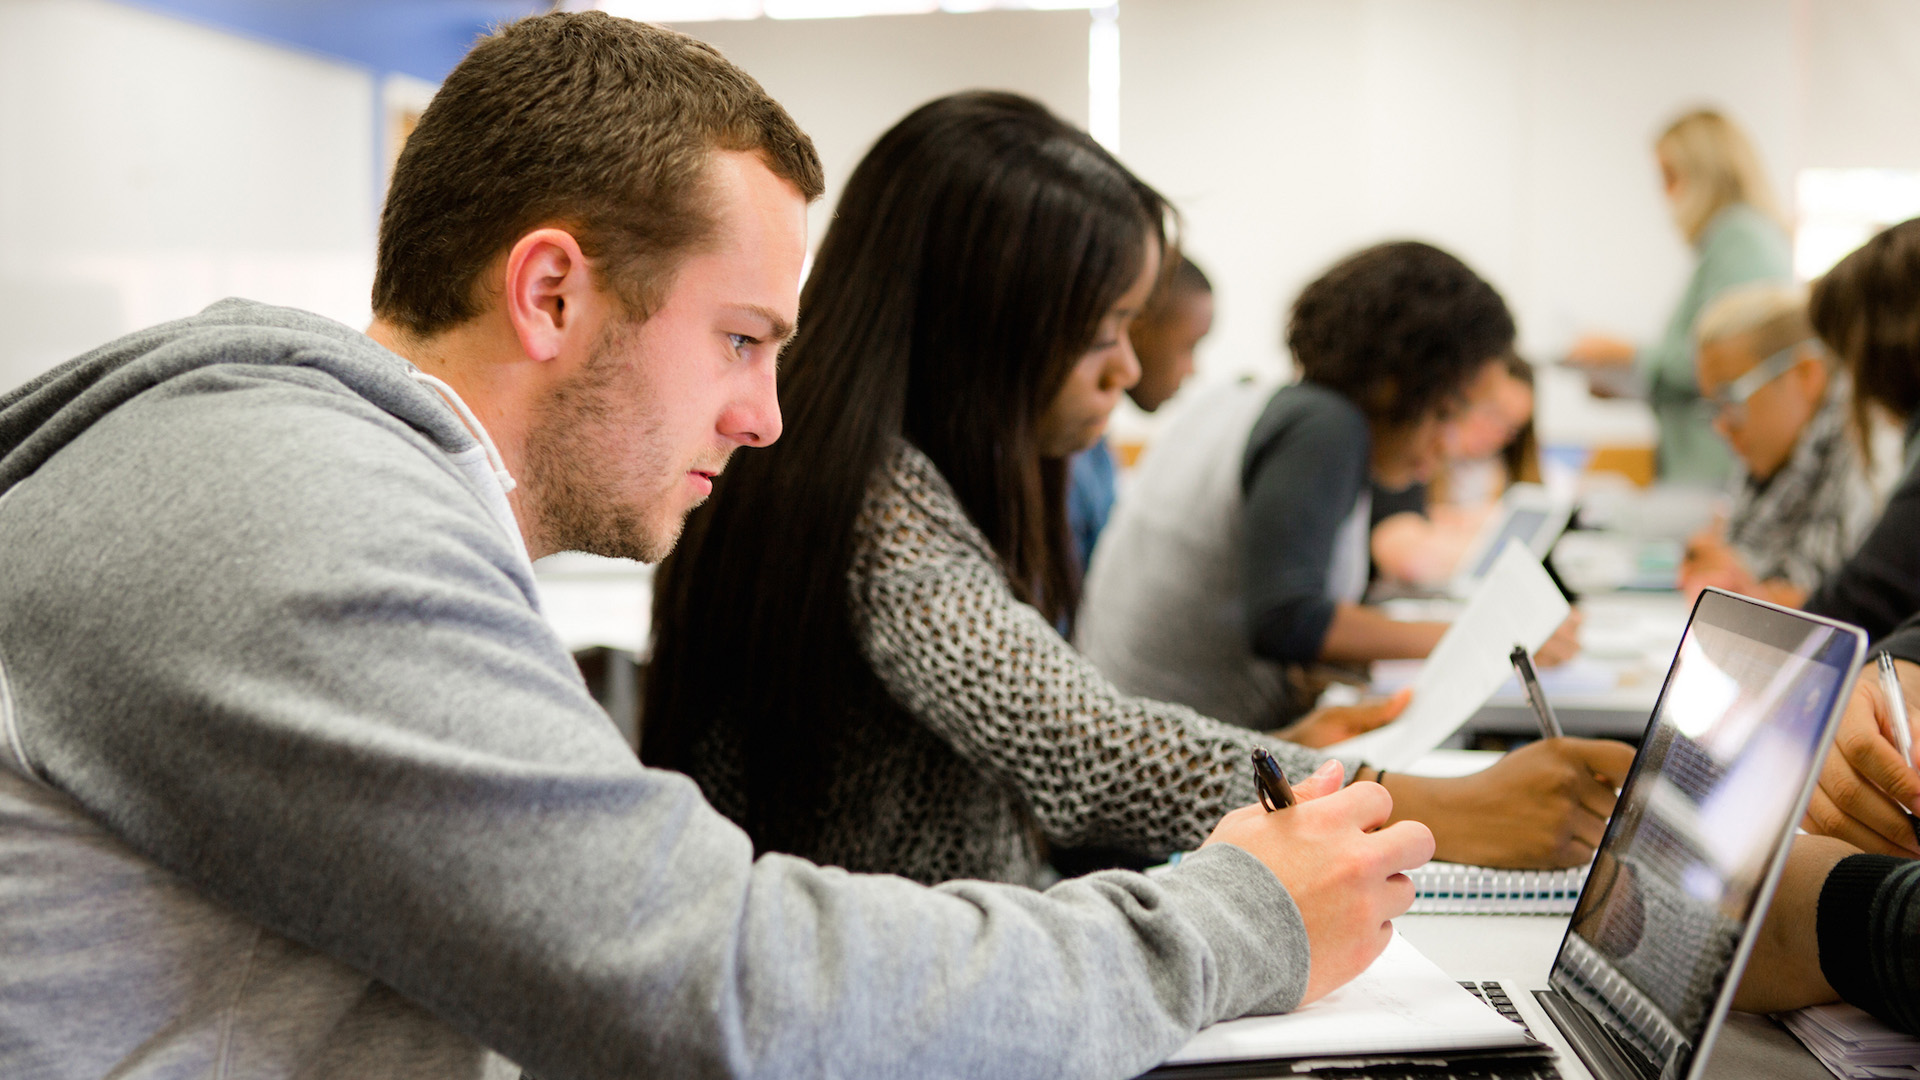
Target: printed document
{"type": "Point", "coordinates": [1516, 604]}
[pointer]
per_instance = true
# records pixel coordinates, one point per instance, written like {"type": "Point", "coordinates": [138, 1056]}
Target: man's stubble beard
{"type": "Point", "coordinates": [573, 486]}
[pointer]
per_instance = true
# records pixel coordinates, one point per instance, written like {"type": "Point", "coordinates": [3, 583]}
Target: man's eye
{"type": "Point", "coordinates": [741, 342]}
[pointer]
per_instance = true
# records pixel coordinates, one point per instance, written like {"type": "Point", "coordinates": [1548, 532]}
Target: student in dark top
{"type": "Point", "coordinates": [1240, 554]}
{"type": "Point", "coordinates": [1843, 926]}
{"type": "Point", "coordinates": [1164, 337]}
{"type": "Point", "coordinates": [1867, 310]}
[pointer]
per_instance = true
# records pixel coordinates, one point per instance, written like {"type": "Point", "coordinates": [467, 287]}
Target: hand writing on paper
{"type": "Point", "coordinates": [1334, 723]}
{"type": "Point", "coordinates": [1543, 805]}
{"type": "Point", "coordinates": [1342, 863]}
{"type": "Point", "coordinates": [1865, 782]}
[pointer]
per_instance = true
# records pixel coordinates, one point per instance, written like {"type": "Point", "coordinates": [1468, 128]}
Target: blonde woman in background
{"type": "Point", "coordinates": [1725, 207]}
{"type": "Point", "coordinates": [1802, 503]}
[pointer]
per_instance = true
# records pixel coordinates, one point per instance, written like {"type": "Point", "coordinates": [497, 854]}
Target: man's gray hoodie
{"type": "Point", "coordinates": [296, 782]}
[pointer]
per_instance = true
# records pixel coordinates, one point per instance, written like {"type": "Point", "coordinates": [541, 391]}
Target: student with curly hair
{"type": "Point", "coordinates": [1239, 558]}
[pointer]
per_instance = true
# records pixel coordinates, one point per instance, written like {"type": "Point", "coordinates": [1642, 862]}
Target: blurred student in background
{"type": "Point", "coordinates": [1802, 500]}
{"type": "Point", "coordinates": [1725, 207]}
{"type": "Point", "coordinates": [912, 708]}
{"type": "Point", "coordinates": [1867, 310]}
{"type": "Point", "coordinates": [1238, 561]}
{"type": "Point", "coordinates": [1421, 531]}
{"type": "Point", "coordinates": [1164, 337]}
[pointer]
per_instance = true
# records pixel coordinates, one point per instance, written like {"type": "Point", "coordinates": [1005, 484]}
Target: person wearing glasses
{"type": "Point", "coordinates": [1802, 501]}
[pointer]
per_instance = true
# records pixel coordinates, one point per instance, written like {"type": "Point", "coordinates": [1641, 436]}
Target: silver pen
{"type": "Point", "coordinates": [1902, 733]}
{"type": "Point", "coordinates": [1529, 682]}
{"type": "Point", "coordinates": [1896, 701]}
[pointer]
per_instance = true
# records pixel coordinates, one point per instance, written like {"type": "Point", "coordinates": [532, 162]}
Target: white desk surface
{"type": "Point", "coordinates": [1491, 946]}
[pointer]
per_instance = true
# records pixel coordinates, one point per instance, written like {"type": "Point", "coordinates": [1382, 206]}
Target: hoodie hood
{"type": "Point", "coordinates": [39, 419]}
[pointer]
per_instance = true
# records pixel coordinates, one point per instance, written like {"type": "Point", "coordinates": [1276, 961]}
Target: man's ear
{"type": "Point", "coordinates": [1811, 373]}
{"type": "Point", "coordinates": [548, 286]}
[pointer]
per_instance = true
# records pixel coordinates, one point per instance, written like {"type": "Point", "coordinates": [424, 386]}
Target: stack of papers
{"type": "Point", "coordinates": [1853, 1045]}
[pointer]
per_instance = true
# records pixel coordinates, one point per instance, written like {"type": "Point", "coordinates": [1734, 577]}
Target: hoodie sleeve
{"type": "Point", "coordinates": [333, 707]}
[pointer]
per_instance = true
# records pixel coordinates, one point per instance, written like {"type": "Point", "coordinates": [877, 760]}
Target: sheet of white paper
{"type": "Point", "coordinates": [1516, 604]}
{"type": "Point", "coordinates": [1402, 1003]}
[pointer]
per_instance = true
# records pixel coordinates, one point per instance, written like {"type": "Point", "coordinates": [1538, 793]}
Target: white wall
{"type": "Point", "coordinates": [848, 80]}
{"type": "Point", "coordinates": [149, 166]}
{"type": "Point", "coordinates": [1516, 133]}
{"type": "Point", "coordinates": [1863, 108]}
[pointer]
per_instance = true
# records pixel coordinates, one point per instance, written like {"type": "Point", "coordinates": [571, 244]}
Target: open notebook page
{"type": "Point", "coordinates": [1516, 604]}
{"type": "Point", "coordinates": [1403, 1003]}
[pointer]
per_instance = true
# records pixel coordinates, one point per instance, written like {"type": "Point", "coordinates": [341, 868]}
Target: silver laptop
{"type": "Point", "coordinates": [1661, 932]}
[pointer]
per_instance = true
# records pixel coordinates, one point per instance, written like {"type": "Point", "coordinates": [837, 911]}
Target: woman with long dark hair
{"type": "Point", "coordinates": [857, 652]}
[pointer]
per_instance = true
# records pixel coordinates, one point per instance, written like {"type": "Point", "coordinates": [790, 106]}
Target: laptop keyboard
{"type": "Point", "coordinates": [1495, 995]}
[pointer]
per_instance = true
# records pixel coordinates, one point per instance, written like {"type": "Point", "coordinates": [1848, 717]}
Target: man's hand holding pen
{"type": "Point", "coordinates": [1341, 862]}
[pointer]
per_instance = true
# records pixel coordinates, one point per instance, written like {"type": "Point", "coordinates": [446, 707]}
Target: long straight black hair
{"type": "Point", "coordinates": [974, 252]}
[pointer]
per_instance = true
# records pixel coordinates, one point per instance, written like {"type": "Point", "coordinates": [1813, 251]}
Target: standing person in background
{"type": "Point", "coordinates": [1802, 501]}
{"type": "Point", "coordinates": [1164, 337]}
{"type": "Point", "coordinates": [1421, 531]}
{"type": "Point", "coordinates": [1725, 207]}
{"type": "Point", "coordinates": [1867, 310]}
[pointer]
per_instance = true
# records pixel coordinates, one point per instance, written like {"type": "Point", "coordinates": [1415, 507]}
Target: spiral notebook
{"type": "Point", "coordinates": [1443, 888]}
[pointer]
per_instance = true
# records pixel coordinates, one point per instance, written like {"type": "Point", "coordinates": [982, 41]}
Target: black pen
{"type": "Point", "coordinates": [1275, 792]}
{"type": "Point", "coordinates": [1543, 712]}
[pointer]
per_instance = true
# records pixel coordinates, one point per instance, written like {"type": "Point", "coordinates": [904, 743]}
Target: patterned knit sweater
{"type": "Point", "coordinates": [999, 738]}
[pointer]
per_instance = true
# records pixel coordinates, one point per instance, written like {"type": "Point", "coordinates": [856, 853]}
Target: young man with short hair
{"type": "Point", "coordinates": [294, 779]}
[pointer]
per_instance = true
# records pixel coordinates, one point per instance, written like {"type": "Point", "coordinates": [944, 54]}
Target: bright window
{"type": "Point", "coordinates": [1839, 209]}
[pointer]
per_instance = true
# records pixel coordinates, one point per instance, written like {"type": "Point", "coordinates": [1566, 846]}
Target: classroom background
{"type": "Point", "coordinates": [159, 155]}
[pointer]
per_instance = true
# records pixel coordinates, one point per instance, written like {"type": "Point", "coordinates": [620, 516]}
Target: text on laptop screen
{"type": "Point", "coordinates": [1697, 826]}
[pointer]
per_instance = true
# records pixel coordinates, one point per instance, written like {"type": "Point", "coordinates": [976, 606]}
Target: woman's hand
{"type": "Point", "coordinates": [1865, 782]}
{"type": "Point", "coordinates": [1711, 561]}
{"type": "Point", "coordinates": [1601, 351]}
{"type": "Point", "coordinates": [1337, 723]}
{"type": "Point", "coordinates": [1563, 646]}
{"type": "Point", "coordinates": [1543, 805]}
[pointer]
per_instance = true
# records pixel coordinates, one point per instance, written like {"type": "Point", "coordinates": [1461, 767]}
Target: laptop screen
{"type": "Point", "coordinates": [1719, 784]}
{"type": "Point", "coordinates": [1520, 525]}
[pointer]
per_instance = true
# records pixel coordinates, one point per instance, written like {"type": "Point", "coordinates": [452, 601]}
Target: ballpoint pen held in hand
{"type": "Point", "coordinates": [1275, 792]}
{"type": "Point", "coordinates": [1529, 682]}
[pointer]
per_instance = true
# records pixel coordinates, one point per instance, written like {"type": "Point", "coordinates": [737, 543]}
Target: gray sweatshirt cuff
{"type": "Point", "coordinates": [1257, 938]}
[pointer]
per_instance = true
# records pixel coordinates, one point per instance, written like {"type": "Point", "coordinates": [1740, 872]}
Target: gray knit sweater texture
{"type": "Point", "coordinates": [997, 738]}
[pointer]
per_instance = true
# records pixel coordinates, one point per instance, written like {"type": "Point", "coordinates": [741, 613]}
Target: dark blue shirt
{"type": "Point", "coordinates": [1090, 494]}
